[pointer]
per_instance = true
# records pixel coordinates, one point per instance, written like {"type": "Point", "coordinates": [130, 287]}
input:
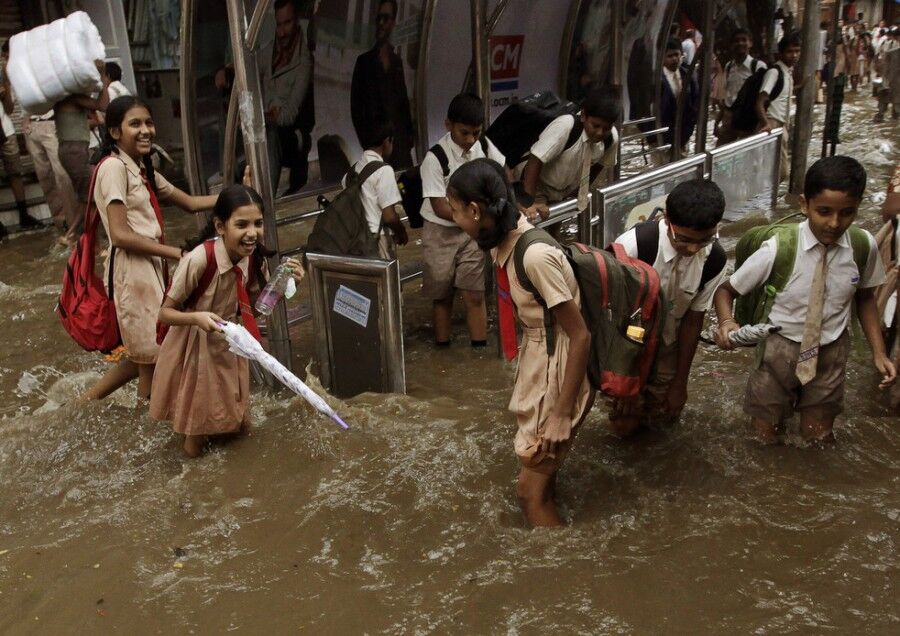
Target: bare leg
{"type": "Point", "coordinates": [535, 493]}
{"type": "Point", "coordinates": [766, 431]}
{"type": "Point", "coordinates": [476, 315]}
{"type": "Point", "coordinates": [624, 416]}
{"type": "Point", "coordinates": [115, 378]}
{"type": "Point", "coordinates": [145, 380]}
{"type": "Point", "coordinates": [443, 309]}
{"type": "Point", "coordinates": [193, 445]}
{"type": "Point", "coordinates": [18, 188]}
{"type": "Point", "coordinates": [816, 428]}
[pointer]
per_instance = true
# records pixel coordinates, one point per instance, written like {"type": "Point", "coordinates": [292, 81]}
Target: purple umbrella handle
{"type": "Point", "coordinates": [339, 421]}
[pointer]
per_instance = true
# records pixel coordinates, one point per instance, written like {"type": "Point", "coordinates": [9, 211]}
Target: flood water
{"type": "Point", "coordinates": [408, 524]}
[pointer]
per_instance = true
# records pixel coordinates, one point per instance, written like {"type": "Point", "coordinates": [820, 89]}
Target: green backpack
{"type": "Point", "coordinates": [342, 229]}
{"type": "Point", "coordinates": [754, 307]}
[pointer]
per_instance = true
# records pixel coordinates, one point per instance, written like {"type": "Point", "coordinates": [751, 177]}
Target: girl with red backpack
{"type": "Point", "coordinates": [201, 386]}
{"type": "Point", "coordinates": [127, 192]}
{"type": "Point", "coordinates": [551, 396]}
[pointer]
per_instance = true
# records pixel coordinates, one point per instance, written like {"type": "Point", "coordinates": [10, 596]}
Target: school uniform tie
{"type": "Point", "coordinates": [244, 304]}
{"type": "Point", "coordinates": [812, 329]}
{"type": "Point", "coordinates": [507, 316]}
{"type": "Point", "coordinates": [584, 183]}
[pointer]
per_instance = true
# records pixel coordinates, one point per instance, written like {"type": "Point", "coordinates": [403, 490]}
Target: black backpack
{"type": "Point", "coordinates": [647, 238]}
{"type": "Point", "coordinates": [517, 128]}
{"type": "Point", "coordinates": [410, 183]}
{"type": "Point", "coordinates": [342, 229]}
{"type": "Point", "coordinates": [744, 108]}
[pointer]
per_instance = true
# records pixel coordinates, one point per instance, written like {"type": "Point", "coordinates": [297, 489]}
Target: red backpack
{"type": "Point", "coordinates": [86, 312]}
{"type": "Point", "coordinates": [202, 285]}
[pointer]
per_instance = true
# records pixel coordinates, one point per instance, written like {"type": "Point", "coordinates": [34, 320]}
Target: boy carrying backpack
{"type": "Point", "coordinates": [684, 250]}
{"type": "Point", "coordinates": [803, 279]}
{"type": "Point", "coordinates": [354, 223]}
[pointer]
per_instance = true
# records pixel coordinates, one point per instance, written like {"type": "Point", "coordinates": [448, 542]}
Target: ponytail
{"type": "Point", "coordinates": [484, 181]}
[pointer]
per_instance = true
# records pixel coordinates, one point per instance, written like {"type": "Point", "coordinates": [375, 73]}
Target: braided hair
{"type": "Point", "coordinates": [484, 182]}
{"type": "Point", "coordinates": [115, 115]}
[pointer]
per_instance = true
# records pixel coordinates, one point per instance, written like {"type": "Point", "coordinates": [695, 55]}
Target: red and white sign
{"type": "Point", "coordinates": [505, 60]}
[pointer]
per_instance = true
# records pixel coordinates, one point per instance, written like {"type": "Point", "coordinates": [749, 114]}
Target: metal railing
{"type": "Point", "coordinates": [748, 158]}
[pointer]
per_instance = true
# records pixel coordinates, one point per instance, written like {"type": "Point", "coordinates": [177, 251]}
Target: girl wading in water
{"type": "Point", "coordinates": [551, 395]}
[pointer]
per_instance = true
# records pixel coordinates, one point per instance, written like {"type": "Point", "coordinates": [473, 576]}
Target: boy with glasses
{"type": "Point", "coordinates": [683, 248]}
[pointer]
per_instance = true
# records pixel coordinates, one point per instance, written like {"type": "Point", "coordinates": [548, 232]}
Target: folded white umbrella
{"type": "Point", "coordinates": [241, 343]}
{"type": "Point", "coordinates": [746, 336]}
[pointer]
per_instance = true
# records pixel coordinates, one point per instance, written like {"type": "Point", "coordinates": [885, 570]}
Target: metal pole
{"type": "Point", "coordinates": [618, 63]}
{"type": "Point", "coordinates": [250, 108]}
{"type": "Point", "coordinates": [479, 55]}
{"type": "Point", "coordinates": [836, 41]}
{"type": "Point", "coordinates": [188, 95]}
{"type": "Point", "coordinates": [802, 129]}
{"type": "Point", "coordinates": [709, 37]}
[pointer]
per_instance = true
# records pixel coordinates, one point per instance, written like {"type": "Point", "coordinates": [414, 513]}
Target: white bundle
{"type": "Point", "coordinates": [53, 61]}
{"type": "Point", "coordinates": [746, 336]}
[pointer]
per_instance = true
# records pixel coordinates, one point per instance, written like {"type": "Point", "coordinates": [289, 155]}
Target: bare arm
{"type": "Point", "coordinates": [688, 337]}
{"type": "Point", "coordinates": [170, 315]}
{"type": "Point", "coordinates": [723, 301]}
{"type": "Point", "coordinates": [761, 114]}
{"type": "Point", "coordinates": [190, 202]}
{"type": "Point", "coordinates": [558, 426]}
{"type": "Point", "coordinates": [867, 310]}
{"type": "Point", "coordinates": [441, 208]}
{"type": "Point", "coordinates": [123, 237]}
{"type": "Point", "coordinates": [391, 219]}
{"type": "Point", "coordinates": [891, 206]}
{"type": "Point", "coordinates": [531, 174]}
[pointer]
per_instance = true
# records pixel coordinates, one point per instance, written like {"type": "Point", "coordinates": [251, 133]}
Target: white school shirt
{"type": "Point", "coordinates": [735, 76]}
{"type": "Point", "coordinates": [844, 278]}
{"type": "Point", "coordinates": [679, 278]}
{"type": "Point", "coordinates": [674, 79]}
{"type": "Point", "coordinates": [689, 48]}
{"type": "Point", "coordinates": [561, 172]}
{"type": "Point", "coordinates": [779, 108]}
{"type": "Point", "coordinates": [117, 89]}
{"type": "Point", "coordinates": [434, 183]}
{"type": "Point", "coordinates": [379, 191]}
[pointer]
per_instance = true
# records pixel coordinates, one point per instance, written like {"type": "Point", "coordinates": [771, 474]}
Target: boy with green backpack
{"type": "Point", "coordinates": [803, 278]}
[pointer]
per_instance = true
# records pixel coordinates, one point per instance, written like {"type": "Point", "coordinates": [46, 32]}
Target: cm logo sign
{"type": "Point", "coordinates": [505, 59]}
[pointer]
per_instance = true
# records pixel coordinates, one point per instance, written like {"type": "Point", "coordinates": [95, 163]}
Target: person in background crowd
{"type": "Point", "coordinates": [9, 147]}
{"type": "Point", "coordinates": [116, 88]}
{"type": "Point", "coordinates": [688, 46]}
{"type": "Point", "coordinates": [287, 79]}
{"type": "Point", "coordinates": [74, 135]}
{"type": "Point", "coordinates": [676, 78]}
{"type": "Point", "coordinates": [888, 65]}
{"type": "Point", "coordinates": [378, 88]}
{"type": "Point", "coordinates": [777, 113]}
{"type": "Point", "coordinates": [737, 71]}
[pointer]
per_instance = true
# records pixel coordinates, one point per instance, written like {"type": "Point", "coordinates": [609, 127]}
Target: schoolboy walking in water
{"type": "Point", "coordinates": [453, 260]}
{"type": "Point", "coordinates": [199, 384]}
{"type": "Point", "coordinates": [803, 367]}
{"type": "Point", "coordinates": [551, 395]}
{"type": "Point", "coordinates": [682, 248]}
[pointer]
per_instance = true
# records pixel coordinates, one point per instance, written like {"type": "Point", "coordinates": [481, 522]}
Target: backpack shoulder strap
{"type": "Point", "coordinates": [754, 65]}
{"type": "Point", "coordinates": [369, 169]}
{"type": "Point", "coordinates": [528, 239]}
{"type": "Point", "coordinates": [779, 84]}
{"type": "Point", "coordinates": [786, 241]}
{"type": "Point", "coordinates": [207, 276]}
{"type": "Point", "coordinates": [647, 237]}
{"type": "Point", "coordinates": [714, 264]}
{"type": "Point", "coordinates": [484, 144]}
{"type": "Point", "coordinates": [441, 155]}
{"type": "Point", "coordinates": [575, 133]}
{"type": "Point", "coordinates": [859, 241]}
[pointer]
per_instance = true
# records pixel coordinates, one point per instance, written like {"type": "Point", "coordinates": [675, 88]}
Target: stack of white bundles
{"type": "Point", "coordinates": [53, 61]}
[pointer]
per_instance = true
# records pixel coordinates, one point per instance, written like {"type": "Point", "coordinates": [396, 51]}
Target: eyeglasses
{"type": "Point", "coordinates": [384, 17]}
{"type": "Point", "coordinates": [678, 239]}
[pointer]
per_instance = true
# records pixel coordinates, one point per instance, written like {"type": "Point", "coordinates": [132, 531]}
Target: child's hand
{"type": "Point", "coordinates": [557, 428]}
{"type": "Point", "coordinates": [207, 321]}
{"type": "Point", "coordinates": [885, 368]}
{"type": "Point", "coordinates": [676, 398]}
{"type": "Point", "coordinates": [722, 332]}
{"type": "Point", "coordinates": [297, 271]}
{"type": "Point", "coordinates": [400, 236]}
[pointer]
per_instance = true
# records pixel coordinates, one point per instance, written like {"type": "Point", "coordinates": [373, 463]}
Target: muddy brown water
{"type": "Point", "coordinates": [408, 524]}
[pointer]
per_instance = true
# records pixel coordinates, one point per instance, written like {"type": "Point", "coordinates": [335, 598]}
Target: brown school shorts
{"type": "Point", "coordinates": [453, 260]}
{"type": "Point", "coordinates": [774, 393]}
{"type": "Point", "coordinates": [12, 162]}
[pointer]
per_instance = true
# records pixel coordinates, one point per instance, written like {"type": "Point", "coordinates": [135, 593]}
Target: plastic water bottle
{"type": "Point", "coordinates": [273, 292]}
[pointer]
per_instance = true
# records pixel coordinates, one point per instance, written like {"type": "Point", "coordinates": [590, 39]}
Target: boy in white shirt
{"type": "Point", "coordinates": [453, 260]}
{"type": "Point", "coordinates": [555, 170]}
{"type": "Point", "coordinates": [773, 105]}
{"type": "Point", "coordinates": [683, 248]}
{"type": "Point", "coordinates": [379, 192]}
{"type": "Point", "coordinates": [737, 72]}
{"type": "Point", "coordinates": [803, 367]}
